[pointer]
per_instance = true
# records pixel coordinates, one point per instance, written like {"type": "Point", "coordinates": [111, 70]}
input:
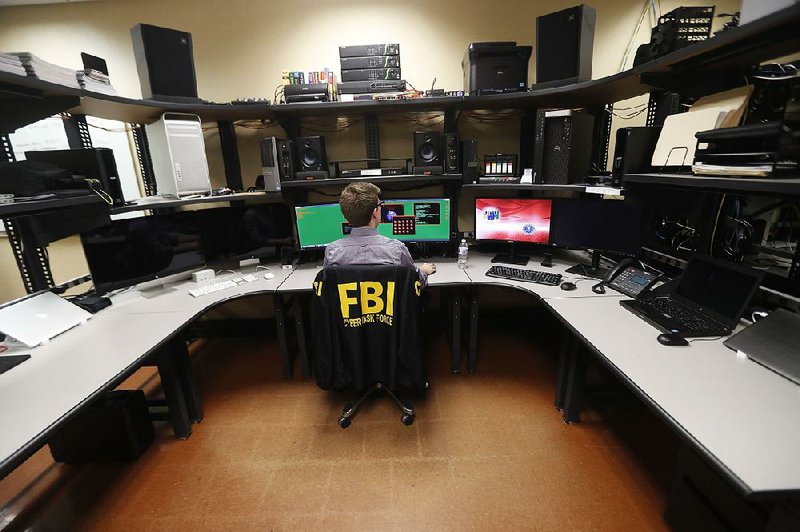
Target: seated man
{"type": "Point", "coordinates": [361, 205]}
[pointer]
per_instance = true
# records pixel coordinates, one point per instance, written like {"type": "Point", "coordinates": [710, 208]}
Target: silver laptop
{"type": "Point", "coordinates": [40, 318]}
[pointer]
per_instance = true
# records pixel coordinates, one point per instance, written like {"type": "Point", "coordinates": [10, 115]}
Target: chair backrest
{"type": "Point", "coordinates": [367, 327]}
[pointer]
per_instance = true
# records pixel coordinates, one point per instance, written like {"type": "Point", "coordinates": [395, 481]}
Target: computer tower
{"type": "Point", "coordinates": [566, 146]}
{"type": "Point", "coordinates": [178, 153]}
{"type": "Point", "coordinates": [270, 165]}
{"type": "Point", "coordinates": [452, 161]}
{"type": "Point", "coordinates": [427, 153]}
{"type": "Point", "coordinates": [633, 151]}
{"type": "Point", "coordinates": [470, 165]}
{"type": "Point", "coordinates": [564, 42]}
{"type": "Point", "coordinates": [94, 163]}
{"type": "Point", "coordinates": [287, 159]}
{"type": "Point", "coordinates": [165, 62]}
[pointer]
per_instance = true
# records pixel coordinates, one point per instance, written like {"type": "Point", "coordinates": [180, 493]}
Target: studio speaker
{"type": "Point", "coordinates": [564, 41]}
{"type": "Point", "coordinates": [165, 62]}
{"type": "Point", "coordinates": [427, 153]}
{"type": "Point", "coordinates": [311, 157]}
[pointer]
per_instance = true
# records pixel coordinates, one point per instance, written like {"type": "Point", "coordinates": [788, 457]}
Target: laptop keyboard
{"type": "Point", "coordinates": [690, 319]}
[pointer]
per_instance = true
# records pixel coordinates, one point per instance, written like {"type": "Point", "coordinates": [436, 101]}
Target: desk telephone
{"type": "Point", "coordinates": [626, 279]}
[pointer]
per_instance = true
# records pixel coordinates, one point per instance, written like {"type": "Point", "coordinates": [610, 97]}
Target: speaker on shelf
{"type": "Point", "coordinates": [564, 41]}
{"type": "Point", "coordinates": [470, 165]}
{"type": "Point", "coordinates": [427, 153]}
{"type": "Point", "coordinates": [452, 160]}
{"type": "Point", "coordinates": [565, 143]}
{"type": "Point", "coordinates": [287, 159]}
{"type": "Point", "coordinates": [165, 62]}
{"type": "Point", "coordinates": [311, 157]}
{"type": "Point", "coordinates": [270, 165]}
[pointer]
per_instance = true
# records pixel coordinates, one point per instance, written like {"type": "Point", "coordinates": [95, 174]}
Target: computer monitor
{"type": "Point", "coordinates": [525, 220]}
{"type": "Point", "coordinates": [599, 225]}
{"type": "Point", "coordinates": [135, 250]}
{"type": "Point", "coordinates": [409, 220]}
{"type": "Point", "coordinates": [234, 233]}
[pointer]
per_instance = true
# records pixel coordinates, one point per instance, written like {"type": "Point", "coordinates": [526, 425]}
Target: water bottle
{"type": "Point", "coordinates": [463, 250]}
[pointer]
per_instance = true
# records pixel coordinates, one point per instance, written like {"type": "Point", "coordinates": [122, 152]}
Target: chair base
{"type": "Point", "coordinates": [351, 407]}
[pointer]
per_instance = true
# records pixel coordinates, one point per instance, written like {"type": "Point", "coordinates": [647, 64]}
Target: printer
{"type": "Point", "coordinates": [495, 67]}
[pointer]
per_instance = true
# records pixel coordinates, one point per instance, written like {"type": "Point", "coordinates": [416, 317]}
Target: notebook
{"type": "Point", "coordinates": [40, 318]}
{"type": "Point", "coordinates": [773, 342]}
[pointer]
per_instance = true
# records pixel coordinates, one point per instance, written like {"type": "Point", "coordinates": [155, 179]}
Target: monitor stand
{"type": "Point", "coordinates": [511, 257]}
{"type": "Point", "coordinates": [593, 270]}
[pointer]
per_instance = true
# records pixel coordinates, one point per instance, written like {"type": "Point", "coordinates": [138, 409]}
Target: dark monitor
{"type": "Point", "coordinates": [231, 234]}
{"type": "Point", "coordinates": [131, 251]}
{"type": "Point", "coordinates": [524, 220]}
{"type": "Point", "coordinates": [408, 220]}
{"type": "Point", "coordinates": [599, 225]}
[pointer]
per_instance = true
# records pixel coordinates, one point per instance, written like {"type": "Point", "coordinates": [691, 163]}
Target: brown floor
{"type": "Point", "coordinates": [488, 451]}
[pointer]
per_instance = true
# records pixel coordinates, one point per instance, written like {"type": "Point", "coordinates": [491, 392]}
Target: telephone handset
{"type": "Point", "coordinates": [626, 279]}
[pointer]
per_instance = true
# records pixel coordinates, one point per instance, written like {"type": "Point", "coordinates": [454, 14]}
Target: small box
{"type": "Point", "coordinates": [115, 427]}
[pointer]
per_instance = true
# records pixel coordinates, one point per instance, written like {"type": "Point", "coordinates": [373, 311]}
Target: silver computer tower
{"type": "Point", "coordinates": [178, 153]}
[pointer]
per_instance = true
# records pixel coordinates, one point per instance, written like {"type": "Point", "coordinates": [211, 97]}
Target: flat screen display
{"type": "Point", "coordinates": [237, 233]}
{"type": "Point", "coordinates": [409, 220]}
{"type": "Point", "coordinates": [131, 251]}
{"type": "Point", "coordinates": [605, 225]}
{"type": "Point", "coordinates": [513, 219]}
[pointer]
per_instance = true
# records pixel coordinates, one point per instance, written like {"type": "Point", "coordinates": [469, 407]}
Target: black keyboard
{"type": "Point", "coordinates": [690, 319]}
{"type": "Point", "coordinates": [529, 276]}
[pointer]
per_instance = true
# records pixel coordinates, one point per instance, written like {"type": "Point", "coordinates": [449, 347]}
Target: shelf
{"type": "Point", "coordinates": [31, 207]}
{"type": "Point", "coordinates": [497, 187]}
{"type": "Point", "coordinates": [754, 185]}
{"type": "Point", "coordinates": [157, 202]}
{"type": "Point", "coordinates": [378, 180]}
{"type": "Point", "coordinates": [415, 105]}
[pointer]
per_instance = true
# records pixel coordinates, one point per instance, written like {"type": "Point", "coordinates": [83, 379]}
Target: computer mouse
{"type": "Point", "coordinates": [671, 338]}
{"type": "Point", "coordinates": [568, 285]}
{"type": "Point", "coordinates": [269, 275]}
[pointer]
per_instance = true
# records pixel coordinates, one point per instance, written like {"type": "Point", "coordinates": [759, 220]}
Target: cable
{"type": "Point", "coordinates": [706, 339]}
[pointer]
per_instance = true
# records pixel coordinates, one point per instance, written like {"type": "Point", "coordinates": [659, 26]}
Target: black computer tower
{"type": "Point", "coordinates": [470, 165]}
{"type": "Point", "coordinates": [287, 159]}
{"type": "Point", "coordinates": [564, 42]}
{"type": "Point", "coordinates": [165, 62]}
{"type": "Point", "coordinates": [452, 159]}
{"type": "Point", "coordinates": [93, 163]}
{"type": "Point", "coordinates": [565, 144]}
{"type": "Point", "coordinates": [633, 151]}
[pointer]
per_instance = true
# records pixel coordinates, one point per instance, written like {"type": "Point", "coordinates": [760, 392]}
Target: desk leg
{"type": "Point", "coordinates": [301, 335]}
{"type": "Point", "coordinates": [174, 395]}
{"type": "Point", "coordinates": [191, 394]}
{"type": "Point", "coordinates": [280, 324]}
{"type": "Point", "coordinates": [455, 303]}
{"type": "Point", "coordinates": [575, 384]}
{"type": "Point", "coordinates": [567, 345]}
{"type": "Point", "coordinates": [472, 357]}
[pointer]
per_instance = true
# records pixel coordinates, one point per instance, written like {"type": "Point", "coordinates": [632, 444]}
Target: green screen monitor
{"type": "Point", "coordinates": [409, 220]}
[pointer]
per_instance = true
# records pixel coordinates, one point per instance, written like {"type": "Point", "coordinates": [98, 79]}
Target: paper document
{"type": "Point", "coordinates": [677, 143]}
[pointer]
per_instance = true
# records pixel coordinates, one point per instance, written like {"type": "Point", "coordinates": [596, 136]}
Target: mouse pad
{"type": "Point", "coordinates": [773, 342]}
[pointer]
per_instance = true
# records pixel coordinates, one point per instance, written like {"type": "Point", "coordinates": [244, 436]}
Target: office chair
{"type": "Point", "coordinates": [368, 333]}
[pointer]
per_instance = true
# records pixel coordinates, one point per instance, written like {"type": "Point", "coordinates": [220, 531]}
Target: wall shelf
{"type": "Point", "coordinates": [157, 202]}
{"type": "Point", "coordinates": [749, 185]}
{"type": "Point", "coordinates": [20, 208]}
{"type": "Point", "coordinates": [519, 187]}
{"type": "Point", "coordinates": [378, 180]}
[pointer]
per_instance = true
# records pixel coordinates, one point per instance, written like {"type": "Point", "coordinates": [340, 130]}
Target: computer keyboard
{"type": "Point", "coordinates": [221, 285]}
{"type": "Point", "coordinates": [689, 318]}
{"type": "Point", "coordinates": [530, 276]}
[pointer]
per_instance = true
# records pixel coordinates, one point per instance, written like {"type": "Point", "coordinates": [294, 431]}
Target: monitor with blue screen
{"type": "Point", "coordinates": [409, 220]}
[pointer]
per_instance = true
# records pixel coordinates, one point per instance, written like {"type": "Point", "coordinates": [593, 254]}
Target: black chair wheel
{"type": "Point", "coordinates": [344, 422]}
{"type": "Point", "coordinates": [407, 419]}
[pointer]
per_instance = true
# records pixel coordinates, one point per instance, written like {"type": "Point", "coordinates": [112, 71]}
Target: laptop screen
{"type": "Point", "coordinates": [723, 288]}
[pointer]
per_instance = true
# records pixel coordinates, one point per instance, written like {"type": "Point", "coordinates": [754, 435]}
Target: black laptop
{"type": "Point", "coordinates": [708, 300]}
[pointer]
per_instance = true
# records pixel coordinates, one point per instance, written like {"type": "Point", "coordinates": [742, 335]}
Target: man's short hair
{"type": "Point", "coordinates": [357, 202]}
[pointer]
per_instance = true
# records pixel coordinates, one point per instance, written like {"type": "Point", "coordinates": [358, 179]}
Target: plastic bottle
{"type": "Point", "coordinates": [463, 251]}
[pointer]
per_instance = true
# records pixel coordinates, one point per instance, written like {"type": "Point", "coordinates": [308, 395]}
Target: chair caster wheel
{"type": "Point", "coordinates": [407, 419]}
{"type": "Point", "coordinates": [344, 422]}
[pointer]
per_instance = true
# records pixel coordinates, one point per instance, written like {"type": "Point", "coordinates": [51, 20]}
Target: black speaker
{"type": "Point", "coordinates": [470, 165]}
{"type": "Point", "coordinates": [311, 154]}
{"type": "Point", "coordinates": [165, 62]}
{"type": "Point", "coordinates": [452, 161]}
{"type": "Point", "coordinates": [564, 41]}
{"type": "Point", "coordinates": [566, 147]}
{"type": "Point", "coordinates": [427, 153]}
{"type": "Point", "coordinates": [287, 159]}
{"type": "Point", "coordinates": [633, 151]}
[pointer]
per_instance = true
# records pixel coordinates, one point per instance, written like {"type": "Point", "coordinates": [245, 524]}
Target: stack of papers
{"type": "Point", "coordinates": [11, 63]}
{"type": "Point", "coordinates": [95, 81]}
{"type": "Point", "coordinates": [47, 71]}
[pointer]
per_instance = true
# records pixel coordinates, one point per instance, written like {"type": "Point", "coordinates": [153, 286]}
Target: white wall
{"type": "Point", "coordinates": [241, 46]}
